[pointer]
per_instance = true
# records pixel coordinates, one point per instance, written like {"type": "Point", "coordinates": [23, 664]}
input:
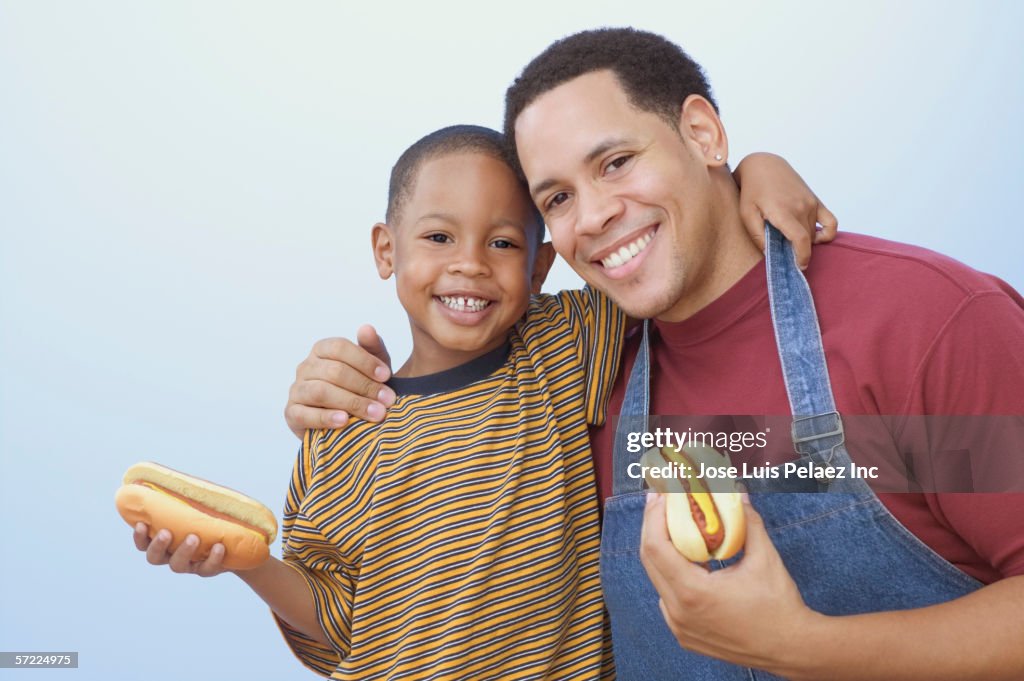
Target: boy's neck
{"type": "Point", "coordinates": [423, 361]}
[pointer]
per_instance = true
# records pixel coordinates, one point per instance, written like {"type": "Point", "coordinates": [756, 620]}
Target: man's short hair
{"type": "Point", "coordinates": [454, 139]}
{"type": "Point", "coordinates": [655, 73]}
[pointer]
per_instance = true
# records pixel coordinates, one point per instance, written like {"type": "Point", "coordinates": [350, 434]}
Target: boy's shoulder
{"type": "Point", "coordinates": [567, 310]}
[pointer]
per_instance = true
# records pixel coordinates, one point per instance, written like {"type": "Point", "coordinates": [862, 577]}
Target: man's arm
{"type": "Point", "coordinates": [751, 613]}
{"type": "Point", "coordinates": [341, 379]}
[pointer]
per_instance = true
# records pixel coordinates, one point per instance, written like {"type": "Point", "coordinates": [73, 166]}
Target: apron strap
{"type": "Point", "coordinates": [817, 427]}
{"type": "Point", "coordinates": [632, 419]}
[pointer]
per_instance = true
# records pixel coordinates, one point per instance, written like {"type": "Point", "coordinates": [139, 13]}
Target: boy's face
{"type": "Point", "coordinates": [462, 254]}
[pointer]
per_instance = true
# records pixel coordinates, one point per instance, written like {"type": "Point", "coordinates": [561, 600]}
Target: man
{"type": "Point", "coordinates": [620, 141]}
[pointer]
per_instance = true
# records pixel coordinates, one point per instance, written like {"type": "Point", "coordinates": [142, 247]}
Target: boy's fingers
{"type": "Point", "coordinates": [141, 536]}
{"type": "Point", "coordinates": [156, 552]}
{"type": "Point", "coordinates": [213, 565]}
{"type": "Point", "coordinates": [754, 222]}
{"type": "Point", "coordinates": [829, 225]}
{"type": "Point", "coordinates": [181, 559]}
{"type": "Point", "coordinates": [799, 236]}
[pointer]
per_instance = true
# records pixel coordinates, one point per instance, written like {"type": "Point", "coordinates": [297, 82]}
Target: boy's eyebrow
{"type": "Point", "coordinates": [444, 217]}
{"type": "Point", "coordinates": [450, 219]}
{"type": "Point", "coordinates": [601, 148]}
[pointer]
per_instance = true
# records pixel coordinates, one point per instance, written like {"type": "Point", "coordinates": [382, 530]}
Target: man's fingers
{"type": "Point", "coordinates": [370, 340]}
{"type": "Point", "coordinates": [348, 378]}
{"type": "Point", "coordinates": [346, 352]}
{"type": "Point", "coordinates": [324, 396]}
{"type": "Point", "coordinates": [302, 418]}
{"type": "Point", "coordinates": [758, 546]}
{"type": "Point", "coordinates": [829, 225]}
{"type": "Point", "coordinates": [665, 566]}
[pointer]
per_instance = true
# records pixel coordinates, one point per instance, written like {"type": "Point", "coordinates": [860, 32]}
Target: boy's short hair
{"type": "Point", "coordinates": [451, 140]}
{"type": "Point", "coordinates": [655, 73]}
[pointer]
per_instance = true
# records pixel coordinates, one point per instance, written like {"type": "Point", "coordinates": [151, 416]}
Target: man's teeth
{"type": "Point", "coordinates": [464, 303]}
{"type": "Point", "coordinates": [627, 252]}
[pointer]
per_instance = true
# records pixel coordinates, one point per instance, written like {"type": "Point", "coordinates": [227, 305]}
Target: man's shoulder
{"type": "Point", "coordinates": [868, 259]}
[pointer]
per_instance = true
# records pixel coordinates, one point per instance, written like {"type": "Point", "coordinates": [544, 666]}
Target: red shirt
{"type": "Point", "coordinates": [905, 330]}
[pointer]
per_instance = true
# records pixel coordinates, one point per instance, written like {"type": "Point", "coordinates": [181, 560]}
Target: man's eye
{"type": "Point", "coordinates": [558, 199]}
{"type": "Point", "coordinates": [439, 238]}
{"type": "Point", "coordinates": [617, 163]}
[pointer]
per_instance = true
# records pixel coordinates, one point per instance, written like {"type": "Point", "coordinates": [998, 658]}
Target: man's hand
{"type": "Point", "coordinates": [749, 613]}
{"type": "Point", "coordinates": [338, 380]}
{"type": "Point", "coordinates": [771, 190]}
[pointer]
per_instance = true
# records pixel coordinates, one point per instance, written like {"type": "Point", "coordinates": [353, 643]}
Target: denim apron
{"type": "Point", "coordinates": [845, 551]}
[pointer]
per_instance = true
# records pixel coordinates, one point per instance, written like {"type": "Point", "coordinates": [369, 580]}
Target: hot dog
{"type": "Point", "coordinates": [702, 524]}
{"type": "Point", "coordinates": [164, 498]}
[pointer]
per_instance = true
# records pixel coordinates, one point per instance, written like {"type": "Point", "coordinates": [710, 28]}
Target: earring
{"type": "Point", "coordinates": [718, 157]}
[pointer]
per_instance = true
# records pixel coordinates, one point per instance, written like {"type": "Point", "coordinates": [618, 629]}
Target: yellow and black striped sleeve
{"type": "Point", "coordinates": [600, 325]}
{"type": "Point", "coordinates": [306, 550]}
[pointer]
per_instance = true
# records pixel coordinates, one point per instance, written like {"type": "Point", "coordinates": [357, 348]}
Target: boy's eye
{"type": "Point", "coordinates": [503, 243]}
{"type": "Point", "coordinates": [439, 238]}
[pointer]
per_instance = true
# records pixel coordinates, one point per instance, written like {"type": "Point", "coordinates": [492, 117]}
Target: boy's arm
{"type": "Point", "coordinates": [282, 587]}
{"type": "Point", "coordinates": [771, 190]}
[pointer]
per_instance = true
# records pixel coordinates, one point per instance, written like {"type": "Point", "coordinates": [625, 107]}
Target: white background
{"type": "Point", "coordinates": [186, 192]}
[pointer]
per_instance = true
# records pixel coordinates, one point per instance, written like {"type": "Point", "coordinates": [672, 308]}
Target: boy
{"type": "Point", "coordinates": [459, 537]}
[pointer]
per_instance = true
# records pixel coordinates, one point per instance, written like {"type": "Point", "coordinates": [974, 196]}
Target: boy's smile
{"type": "Point", "coordinates": [462, 254]}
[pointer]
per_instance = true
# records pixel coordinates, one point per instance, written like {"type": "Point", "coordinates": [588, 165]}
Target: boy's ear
{"type": "Point", "coordinates": [383, 240]}
{"type": "Point", "coordinates": [541, 265]}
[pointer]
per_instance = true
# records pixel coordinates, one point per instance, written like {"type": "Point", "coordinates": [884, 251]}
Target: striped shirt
{"type": "Point", "coordinates": [459, 538]}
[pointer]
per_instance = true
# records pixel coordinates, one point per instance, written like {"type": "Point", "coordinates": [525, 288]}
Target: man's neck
{"type": "Point", "coordinates": [730, 256]}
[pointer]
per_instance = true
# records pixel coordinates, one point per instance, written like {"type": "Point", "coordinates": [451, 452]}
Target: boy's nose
{"type": "Point", "coordinates": [470, 262]}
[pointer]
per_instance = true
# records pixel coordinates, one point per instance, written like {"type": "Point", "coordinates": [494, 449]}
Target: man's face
{"type": "Point", "coordinates": [626, 197]}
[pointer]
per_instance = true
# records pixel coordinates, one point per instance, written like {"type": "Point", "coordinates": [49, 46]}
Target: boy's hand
{"type": "Point", "coordinates": [338, 380]}
{"type": "Point", "coordinates": [771, 190]}
{"type": "Point", "coordinates": [179, 561]}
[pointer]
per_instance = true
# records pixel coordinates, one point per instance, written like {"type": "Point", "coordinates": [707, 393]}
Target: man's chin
{"type": "Point", "coordinates": [641, 304]}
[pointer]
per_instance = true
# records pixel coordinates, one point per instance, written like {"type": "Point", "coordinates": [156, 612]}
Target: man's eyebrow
{"type": "Point", "coordinates": [602, 148]}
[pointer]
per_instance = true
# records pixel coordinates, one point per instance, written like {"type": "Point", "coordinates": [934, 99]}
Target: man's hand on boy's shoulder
{"type": "Point", "coordinates": [340, 379]}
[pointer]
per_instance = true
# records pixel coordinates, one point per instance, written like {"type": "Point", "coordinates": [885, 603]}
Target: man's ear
{"type": "Point", "coordinates": [700, 125]}
{"type": "Point", "coordinates": [383, 240]}
{"type": "Point", "coordinates": [541, 266]}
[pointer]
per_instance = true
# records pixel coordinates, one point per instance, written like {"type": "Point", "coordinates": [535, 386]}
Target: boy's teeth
{"type": "Point", "coordinates": [627, 252]}
{"type": "Point", "coordinates": [464, 303]}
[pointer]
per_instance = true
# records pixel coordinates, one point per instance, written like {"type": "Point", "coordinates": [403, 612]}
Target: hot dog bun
{"type": "Point", "coordinates": [164, 498]}
{"type": "Point", "coordinates": [689, 501]}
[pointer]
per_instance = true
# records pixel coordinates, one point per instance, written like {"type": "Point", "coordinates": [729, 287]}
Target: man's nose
{"type": "Point", "coordinates": [596, 208]}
